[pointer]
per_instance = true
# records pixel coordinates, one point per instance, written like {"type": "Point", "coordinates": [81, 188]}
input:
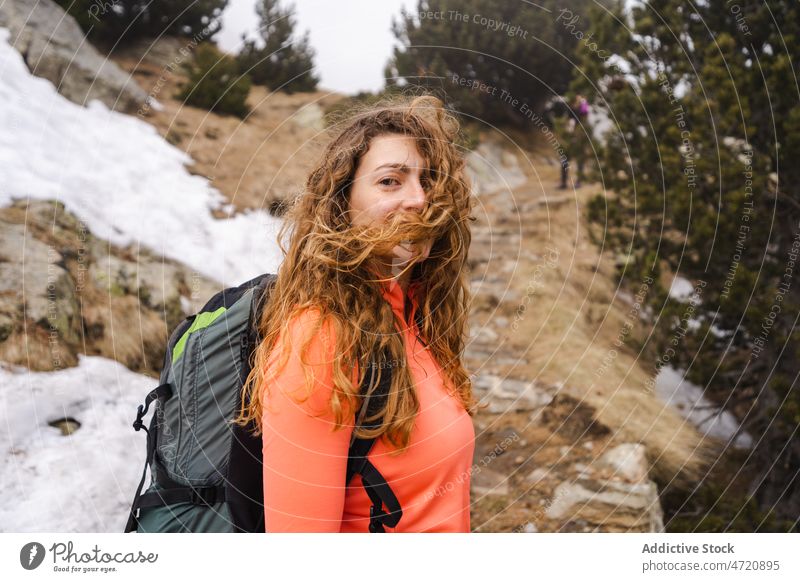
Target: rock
{"type": "Point", "coordinates": [158, 284]}
{"type": "Point", "coordinates": [39, 310]}
{"type": "Point", "coordinates": [628, 461]}
{"type": "Point", "coordinates": [484, 481]}
{"type": "Point", "coordinates": [67, 425]}
{"type": "Point", "coordinates": [537, 475]}
{"type": "Point", "coordinates": [506, 394]}
{"type": "Point", "coordinates": [54, 48]}
{"type": "Point", "coordinates": [311, 116]}
{"type": "Point", "coordinates": [64, 292]}
{"type": "Point", "coordinates": [608, 505]}
{"type": "Point", "coordinates": [35, 285]}
{"type": "Point", "coordinates": [485, 334]}
{"type": "Point", "coordinates": [492, 168]}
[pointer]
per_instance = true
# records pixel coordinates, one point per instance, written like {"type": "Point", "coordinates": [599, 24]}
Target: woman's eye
{"type": "Point", "coordinates": [384, 181]}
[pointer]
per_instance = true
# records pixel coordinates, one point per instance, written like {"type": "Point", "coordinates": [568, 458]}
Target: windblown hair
{"type": "Point", "coordinates": [337, 269]}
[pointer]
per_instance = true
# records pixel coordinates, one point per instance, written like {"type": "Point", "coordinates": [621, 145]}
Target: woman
{"type": "Point", "coordinates": [379, 242]}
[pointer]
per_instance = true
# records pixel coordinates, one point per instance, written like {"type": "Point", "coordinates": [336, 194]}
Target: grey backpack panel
{"type": "Point", "coordinates": [196, 434]}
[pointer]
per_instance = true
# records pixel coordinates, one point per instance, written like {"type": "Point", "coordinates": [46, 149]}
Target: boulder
{"type": "Point", "coordinates": [492, 168]}
{"type": "Point", "coordinates": [64, 292]}
{"type": "Point", "coordinates": [35, 285]}
{"type": "Point", "coordinates": [311, 116]}
{"type": "Point", "coordinates": [613, 494]}
{"type": "Point", "coordinates": [627, 461]}
{"type": "Point", "coordinates": [608, 506]}
{"type": "Point", "coordinates": [505, 394]}
{"type": "Point", "coordinates": [54, 48]}
{"type": "Point", "coordinates": [484, 481]}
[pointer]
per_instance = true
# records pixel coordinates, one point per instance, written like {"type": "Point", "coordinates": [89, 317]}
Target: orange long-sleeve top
{"type": "Point", "coordinates": [305, 460]}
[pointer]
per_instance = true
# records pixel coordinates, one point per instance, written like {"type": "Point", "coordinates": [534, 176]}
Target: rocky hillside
{"type": "Point", "coordinates": [64, 292]}
{"type": "Point", "coordinates": [257, 163]}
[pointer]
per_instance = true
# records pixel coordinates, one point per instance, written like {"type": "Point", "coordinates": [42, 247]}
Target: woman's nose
{"type": "Point", "coordinates": [416, 197]}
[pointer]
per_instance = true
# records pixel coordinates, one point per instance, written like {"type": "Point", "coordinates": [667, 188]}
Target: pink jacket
{"type": "Point", "coordinates": [305, 461]}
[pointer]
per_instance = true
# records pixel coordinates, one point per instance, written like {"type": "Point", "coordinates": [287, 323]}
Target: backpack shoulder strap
{"type": "Point", "coordinates": [263, 285]}
{"type": "Point", "coordinates": [378, 490]}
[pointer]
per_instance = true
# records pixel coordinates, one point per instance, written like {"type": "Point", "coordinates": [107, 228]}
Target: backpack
{"type": "Point", "coordinates": [206, 472]}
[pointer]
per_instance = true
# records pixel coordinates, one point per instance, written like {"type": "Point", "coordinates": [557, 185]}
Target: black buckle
{"type": "Point", "coordinates": [376, 515]}
{"type": "Point", "coordinates": [161, 391]}
{"type": "Point", "coordinates": [207, 496]}
{"type": "Point", "coordinates": [138, 424]}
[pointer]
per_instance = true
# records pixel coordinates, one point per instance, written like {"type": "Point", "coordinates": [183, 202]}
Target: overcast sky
{"type": "Point", "coordinates": [352, 38]}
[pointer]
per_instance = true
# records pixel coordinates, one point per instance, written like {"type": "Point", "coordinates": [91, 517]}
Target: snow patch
{"type": "Point", "coordinates": [83, 482]}
{"type": "Point", "coordinates": [681, 289]}
{"type": "Point", "coordinates": [687, 398]}
{"type": "Point", "coordinates": [122, 179]}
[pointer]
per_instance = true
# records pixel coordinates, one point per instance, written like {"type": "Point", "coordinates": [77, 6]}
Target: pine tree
{"type": "Point", "coordinates": [215, 83]}
{"type": "Point", "coordinates": [116, 23]}
{"type": "Point", "coordinates": [524, 49]}
{"type": "Point", "coordinates": [278, 61]}
{"type": "Point", "coordinates": [702, 173]}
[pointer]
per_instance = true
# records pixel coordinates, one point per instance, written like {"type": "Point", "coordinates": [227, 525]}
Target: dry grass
{"type": "Point", "coordinates": [253, 163]}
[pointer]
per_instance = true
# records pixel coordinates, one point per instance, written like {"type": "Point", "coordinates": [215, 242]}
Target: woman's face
{"type": "Point", "coordinates": [387, 179]}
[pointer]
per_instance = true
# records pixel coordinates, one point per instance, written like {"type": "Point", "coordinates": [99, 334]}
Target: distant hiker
{"type": "Point", "coordinates": [577, 127]}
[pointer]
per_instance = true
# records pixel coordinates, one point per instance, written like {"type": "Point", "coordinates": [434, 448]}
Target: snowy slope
{"type": "Point", "coordinates": [83, 482]}
{"type": "Point", "coordinates": [121, 178]}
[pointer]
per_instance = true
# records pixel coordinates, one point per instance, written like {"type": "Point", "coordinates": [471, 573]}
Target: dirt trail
{"type": "Point", "coordinates": [545, 320]}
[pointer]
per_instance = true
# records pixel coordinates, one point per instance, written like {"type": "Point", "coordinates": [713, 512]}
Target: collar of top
{"type": "Point", "coordinates": [393, 293]}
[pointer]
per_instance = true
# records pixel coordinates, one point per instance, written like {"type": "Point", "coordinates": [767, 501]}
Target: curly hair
{"type": "Point", "coordinates": [336, 267]}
